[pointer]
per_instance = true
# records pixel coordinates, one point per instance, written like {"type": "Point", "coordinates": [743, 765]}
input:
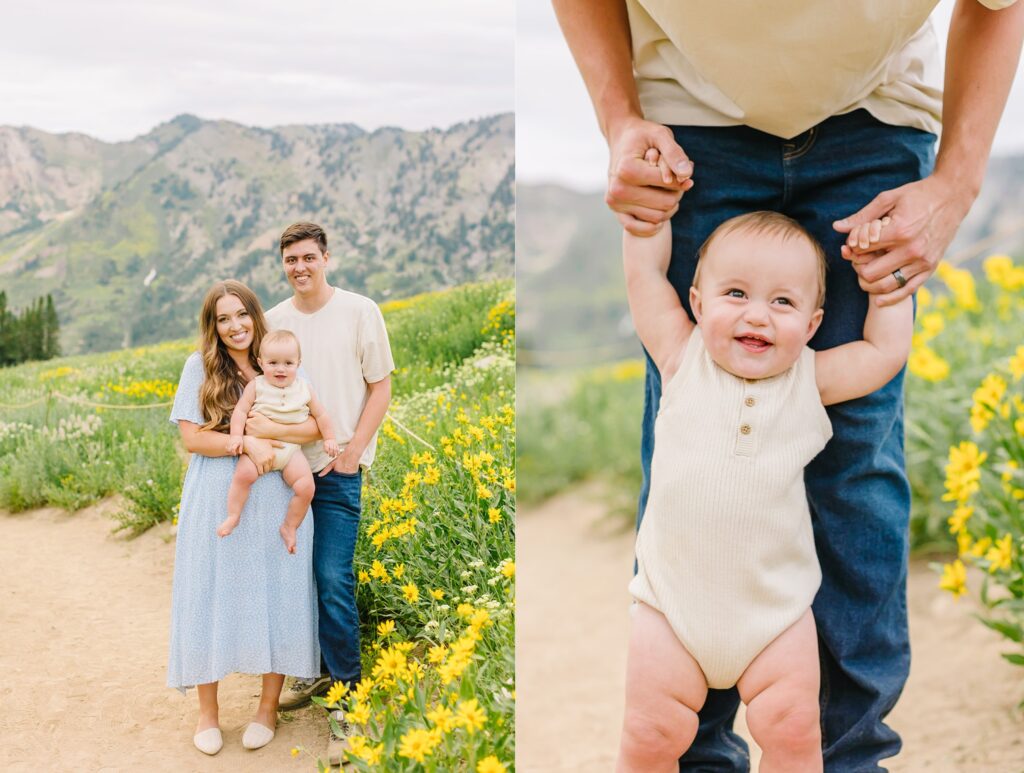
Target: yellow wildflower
{"type": "Point", "coordinates": [471, 715]}
{"type": "Point", "coordinates": [412, 593]}
{"type": "Point", "coordinates": [509, 569]}
{"type": "Point", "coordinates": [1017, 364]}
{"type": "Point", "coordinates": [958, 520]}
{"type": "Point", "coordinates": [493, 514]}
{"type": "Point", "coordinates": [437, 593]}
{"type": "Point", "coordinates": [386, 628]}
{"type": "Point", "coordinates": [336, 693]}
{"type": "Point", "coordinates": [397, 571]}
{"type": "Point", "coordinates": [442, 717]}
{"type": "Point", "coordinates": [954, 578]}
{"type": "Point", "coordinates": [963, 543]}
{"type": "Point", "coordinates": [1000, 554]}
{"type": "Point", "coordinates": [418, 743]}
{"type": "Point", "coordinates": [963, 472]}
{"type": "Point", "coordinates": [924, 298]}
{"type": "Point", "coordinates": [981, 547]}
{"type": "Point", "coordinates": [490, 764]}
{"type": "Point", "coordinates": [926, 364]}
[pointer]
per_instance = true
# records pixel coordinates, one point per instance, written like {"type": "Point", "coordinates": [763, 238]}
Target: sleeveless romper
{"type": "Point", "coordinates": [725, 549]}
{"type": "Point", "coordinates": [288, 405]}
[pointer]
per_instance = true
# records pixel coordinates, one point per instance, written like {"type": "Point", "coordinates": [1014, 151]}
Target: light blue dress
{"type": "Point", "coordinates": [240, 603]}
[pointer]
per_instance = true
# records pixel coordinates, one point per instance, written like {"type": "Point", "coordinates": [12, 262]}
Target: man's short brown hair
{"type": "Point", "coordinates": [770, 224]}
{"type": "Point", "coordinates": [298, 232]}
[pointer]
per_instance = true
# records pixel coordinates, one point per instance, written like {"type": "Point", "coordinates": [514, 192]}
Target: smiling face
{"type": "Point", "coordinates": [757, 301]}
{"type": "Point", "coordinates": [304, 266]}
{"type": "Point", "coordinates": [234, 323]}
{"type": "Point", "coordinates": [279, 360]}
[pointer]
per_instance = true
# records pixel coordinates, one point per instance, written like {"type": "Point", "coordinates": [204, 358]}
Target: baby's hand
{"type": "Point", "coordinates": [654, 158]}
{"type": "Point", "coordinates": [235, 443]}
{"type": "Point", "coordinates": [866, 235]}
{"type": "Point", "coordinates": [331, 447]}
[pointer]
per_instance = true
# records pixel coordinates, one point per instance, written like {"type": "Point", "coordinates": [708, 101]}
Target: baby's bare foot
{"type": "Point", "coordinates": [288, 535]}
{"type": "Point", "coordinates": [228, 525]}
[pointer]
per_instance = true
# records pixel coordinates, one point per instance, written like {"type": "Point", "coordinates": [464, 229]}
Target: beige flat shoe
{"type": "Point", "coordinates": [209, 741]}
{"type": "Point", "coordinates": [257, 736]}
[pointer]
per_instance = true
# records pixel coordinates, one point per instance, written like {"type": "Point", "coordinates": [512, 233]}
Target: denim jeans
{"type": "Point", "coordinates": [337, 505]}
{"type": "Point", "coordinates": [857, 487]}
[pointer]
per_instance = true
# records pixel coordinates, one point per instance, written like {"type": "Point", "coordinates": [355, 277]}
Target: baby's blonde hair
{"type": "Point", "coordinates": [771, 224]}
{"type": "Point", "coordinates": [281, 335]}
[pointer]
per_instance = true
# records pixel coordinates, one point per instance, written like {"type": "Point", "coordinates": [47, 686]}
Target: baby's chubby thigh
{"type": "Point", "coordinates": [780, 688]}
{"type": "Point", "coordinates": [665, 688]}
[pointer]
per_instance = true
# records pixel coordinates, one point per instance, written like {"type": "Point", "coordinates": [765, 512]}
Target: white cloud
{"type": "Point", "coordinates": [115, 69]}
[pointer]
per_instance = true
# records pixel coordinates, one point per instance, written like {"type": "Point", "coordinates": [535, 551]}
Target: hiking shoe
{"type": "Point", "coordinates": [337, 744]}
{"type": "Point", "coordinates": [300, 691]}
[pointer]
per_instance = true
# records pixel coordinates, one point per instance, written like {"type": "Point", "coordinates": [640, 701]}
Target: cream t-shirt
{"type": "Point", "coordinates": [344, 347]}
{"type": "Point", "coordinates": [785, 66]}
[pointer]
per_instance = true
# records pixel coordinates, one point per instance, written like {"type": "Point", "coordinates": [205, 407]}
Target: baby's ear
{"type": "Point", "coordinates": [695, 303]}
{"type": "Point", "coordinates": [815, 323]}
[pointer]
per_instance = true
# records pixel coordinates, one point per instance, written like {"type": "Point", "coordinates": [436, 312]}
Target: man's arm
{"type": "Point", "coordinates": [258, 425]}
{"type": "Point", "coordinates": [324, 424]}
{"type": "Point", "coordinates": [643, 197]}
{"type": "Point", "coordinates": [859, 368]}
{"type": "Point", "coordinates": [377, 401]}
{"type": "Point", "coordinates": [982, 52]}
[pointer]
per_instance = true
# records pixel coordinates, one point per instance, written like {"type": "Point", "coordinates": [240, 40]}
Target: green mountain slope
{"type": "Point", "coordinates": [128, 236]}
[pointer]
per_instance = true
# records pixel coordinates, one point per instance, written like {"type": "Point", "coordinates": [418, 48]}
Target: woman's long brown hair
{"type": "Point", "coordinates": [224, 383]}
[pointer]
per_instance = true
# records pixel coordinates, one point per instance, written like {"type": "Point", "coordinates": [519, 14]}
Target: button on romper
{"type": "Point", "coordinates": [725, 549]}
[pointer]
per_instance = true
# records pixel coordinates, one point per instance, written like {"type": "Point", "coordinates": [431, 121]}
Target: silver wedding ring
{"type": "Point", "coordinates": [898, 276]}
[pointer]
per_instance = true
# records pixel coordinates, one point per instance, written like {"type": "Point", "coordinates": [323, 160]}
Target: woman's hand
{"type": "Point", "coordinates": [261, 452]}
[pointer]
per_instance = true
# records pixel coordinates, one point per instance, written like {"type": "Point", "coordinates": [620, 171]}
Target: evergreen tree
{"type": "Point", "coordinates": [51, 344]}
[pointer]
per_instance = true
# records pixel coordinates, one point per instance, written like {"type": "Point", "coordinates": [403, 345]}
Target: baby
{"type": "Point", "coordinates": [280, 396]}
{"type": "Point", "coordinates": [727, 568]}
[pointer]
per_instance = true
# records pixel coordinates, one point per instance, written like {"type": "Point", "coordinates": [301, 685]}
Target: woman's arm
{"type": "Point", "coordinates": [207, 442]}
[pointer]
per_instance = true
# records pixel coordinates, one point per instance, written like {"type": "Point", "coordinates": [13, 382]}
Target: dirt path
{"type": "Point", "coordinates": [83, 651]}
{"type": "Point", "coordinates": [956, 715]}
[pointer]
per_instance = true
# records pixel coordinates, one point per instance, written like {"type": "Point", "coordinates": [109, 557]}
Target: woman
{"type": "Point", "coordinates": [240, 603]}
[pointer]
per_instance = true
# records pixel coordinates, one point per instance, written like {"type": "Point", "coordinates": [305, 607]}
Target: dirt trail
{"type": "Point", "coordinates": [956, 715]}
{"type": "Point", "coordinates": [83, 651]}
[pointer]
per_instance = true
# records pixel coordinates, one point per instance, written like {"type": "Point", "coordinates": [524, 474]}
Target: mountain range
{"type": "Point", "coordinates": [128, 236]}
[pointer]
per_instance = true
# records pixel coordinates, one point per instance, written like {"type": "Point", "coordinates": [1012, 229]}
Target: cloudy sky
{"type": "Point", "coordinates": [556, 133]}
{"type": "Point", "coordinates": [114, 69]}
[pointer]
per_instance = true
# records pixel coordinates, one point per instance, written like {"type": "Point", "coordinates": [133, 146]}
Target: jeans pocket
{"type": "Point", "coordinates": [340, 474]}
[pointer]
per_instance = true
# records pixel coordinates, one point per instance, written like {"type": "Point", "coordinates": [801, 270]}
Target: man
{"type": "Point", "coordinates": [346, 354]}
{"type": "Point", "coordinates": [826, 112]}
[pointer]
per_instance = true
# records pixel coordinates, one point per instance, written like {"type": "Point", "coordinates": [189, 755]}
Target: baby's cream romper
{"type": "Point", "coordinates": [287, 405]}
{"type": "Point", "coordinates": [725, 549]}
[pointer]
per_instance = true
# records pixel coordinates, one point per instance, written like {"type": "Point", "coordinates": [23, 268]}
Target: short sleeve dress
{"type": "Point", "coordinates": [240, 603]}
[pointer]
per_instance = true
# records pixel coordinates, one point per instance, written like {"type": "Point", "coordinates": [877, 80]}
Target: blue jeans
{"type": "Point", "coordinates": [337, 505]}
{"type": "Point", "coordinates": [857, 487]}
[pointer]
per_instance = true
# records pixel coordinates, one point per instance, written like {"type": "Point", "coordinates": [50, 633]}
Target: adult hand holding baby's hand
{"type": "Point", "coordinates": [644, 195]}
{"type": "Point", "coordinates": [347, 462]}
{"type": "Point", "coordinates": [923, 218]}
{"type": "Point", "coordinates": [234, 445]}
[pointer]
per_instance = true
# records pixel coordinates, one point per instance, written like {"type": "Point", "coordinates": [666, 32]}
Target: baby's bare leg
{"type": "Point", "coordinates": [297, 475]}
{"type": "Point", "coordinates": [665, 689]}
{"type": "Point", "coordinates": [245, 475]}
{"type": "Point", "coordinates": [780, 688]}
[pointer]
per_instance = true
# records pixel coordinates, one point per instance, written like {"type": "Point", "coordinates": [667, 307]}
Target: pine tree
{"type": "Point", "coordinates": [51, 343]}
